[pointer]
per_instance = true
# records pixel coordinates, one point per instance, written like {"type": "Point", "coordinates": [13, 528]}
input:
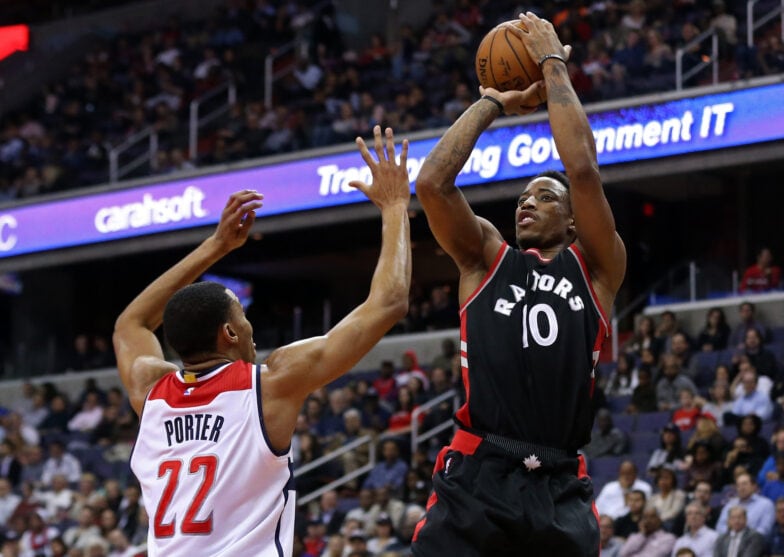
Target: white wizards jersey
{"type": "Point", "coordinates": [211, 483]}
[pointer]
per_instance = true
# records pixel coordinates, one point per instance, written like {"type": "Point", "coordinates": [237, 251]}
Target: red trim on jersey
{"type": "Point", "coordinates": [462, 414]}
{"type": "Point", "coordinates": [538, 255]}
{"type": "Point", "coordinates": [490, 272]}
{"type": "Point", "coordinates": [463, 442]}
{"type": "Point", "coordinates": [601, 335]}
{"type": "Point", "coordinates": [582, 472]}
{"type": "Point", "coordinates": [587, 276]}
{"type": "Point", "coordinates": [171, 389]}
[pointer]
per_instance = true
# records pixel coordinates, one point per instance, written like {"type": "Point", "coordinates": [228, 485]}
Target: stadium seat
{"type": "Point", "coordinates": [618, 404]}
{"type": "Point", "coordinates": [645, 442]}
{"type": "Point", "coordinates": [604, 468]}
{"type": "Point", "coordinates": [625, 422]}
{"type": "Point", "coordinates": [652, 421]}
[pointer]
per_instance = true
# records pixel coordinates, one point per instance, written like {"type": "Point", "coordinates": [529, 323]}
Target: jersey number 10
{"type": "Point", "coordinates": [531, 325]}
{"type": "Point", "coordinates": [208, 464]}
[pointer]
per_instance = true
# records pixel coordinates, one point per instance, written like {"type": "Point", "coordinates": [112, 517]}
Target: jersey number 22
{"type": "Point", "coordinates": [207, 464]}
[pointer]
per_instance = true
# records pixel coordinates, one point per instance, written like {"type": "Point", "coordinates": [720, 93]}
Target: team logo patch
{"type": "Point", "coordinates": [532, 462]}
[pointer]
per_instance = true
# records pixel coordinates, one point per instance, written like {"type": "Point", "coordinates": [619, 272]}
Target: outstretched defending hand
{"type": "Point", "coordinates": [237, 219]}
{"type": "Point", "coordinates": [390, 179]}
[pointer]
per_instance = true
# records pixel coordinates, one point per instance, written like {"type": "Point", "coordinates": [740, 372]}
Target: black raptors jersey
{"type": "Point", "coordinates": [530, 338]}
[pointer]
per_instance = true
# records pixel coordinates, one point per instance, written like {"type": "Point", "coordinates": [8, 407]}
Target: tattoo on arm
{"type": "Point", "coordinates": [559, 89]}
{"type": "Point", "coordinates": [452, 151]}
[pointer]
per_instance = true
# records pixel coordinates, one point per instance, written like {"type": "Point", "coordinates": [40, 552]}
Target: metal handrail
{"type": "Point", "coordinates": [196, 122]}
{"type": "Point", "coordinates": [348, 447]}
{"type": "Point", "coordinates": [270, 75]}
{"type": "Point", "coordinates": [680, 77]}
{"type": "Point", "coordinates": [416, 437]}
{"type": "Point", "coordinates": [752, 25]}
{"type": "Point", "coordinates": [116, 171]}
{"type": "Point", "coordinates": [645, 296]}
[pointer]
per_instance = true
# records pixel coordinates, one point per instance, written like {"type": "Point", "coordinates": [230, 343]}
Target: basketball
{"type": "Point", "coordinates": [503, 62]}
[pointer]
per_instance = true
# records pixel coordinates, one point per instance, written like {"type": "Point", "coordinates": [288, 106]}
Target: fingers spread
{"type": "Point", "coordinates": [361, 186]}
{"type": "Point", "coordinates": [363, 150]}
{"type": "Point", "coordinates": [404, 153]}
{"type": "Point", "coordinates": [378, 143]}
{"type": "Point", "coordinates": [390, 145]}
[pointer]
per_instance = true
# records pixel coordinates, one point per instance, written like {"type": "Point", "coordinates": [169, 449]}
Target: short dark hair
{"type": "Point", "coordinates": [555, 175]}
{"type": "Point", "coordinates": [193, 316]}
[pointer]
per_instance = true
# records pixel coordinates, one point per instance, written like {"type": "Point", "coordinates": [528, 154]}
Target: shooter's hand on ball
{"type": "Point", "coordinates": [540, 39]}
{"type": "Point", "coordinates": [517, 102]}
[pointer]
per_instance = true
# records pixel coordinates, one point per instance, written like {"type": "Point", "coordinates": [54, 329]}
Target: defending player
{"type": "Point", "coordinates": [212, 454]}
{"type": "Point", "coordinates": [532, 323]}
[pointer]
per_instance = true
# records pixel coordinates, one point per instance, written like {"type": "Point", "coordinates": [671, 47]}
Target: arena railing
{"type": "Point", "coordinates": [680, 76]}
{"type": "Point", "coordinates": [369, 440]}
{"type": "Point", "coordinates": [149, 155]}
{"type": "Point", "coordinates": [197, 122]}
{"type": "Point", "coordinates": [753, 24]}
{"type": "Point", "coordinates": [418, 437]}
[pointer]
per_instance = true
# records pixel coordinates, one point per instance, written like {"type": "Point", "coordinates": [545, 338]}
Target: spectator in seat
{"type": "Point", "coordinates": [644, 337]}
{"type": "Point", "coordinates": [774, 488]}
{"type": "Point", "coordinates": [698, 537]}
{"type": "Point", "coordinates": [626, 525]}
{"type": "Point", "coordinates": [670, 451]}
{"type": "Point", "coordinates": [776, 539]}
{"type": "Point", "coordinates": [680, 347]}
{"type": "Point", "coordinates": [763, 275]}
{"type": "Point", "coordinates": [606, 439]}
{"type": "Point", "coordinates": [716, 333]}
{"type": "Point", "coordinates": [719, 403]}
{"type": "Point", "coordinates": [8, 501]}
{"type": "Point", "coordinates": [609, 543]}
{"type": "Point", "coordinates": [652, 540]}
{"type": "Point", "coordinates": [390, 472]}
{"type": "Point", "coordinates": [671, 383]}
{"type": "Point", "coordinates": [768, 470]}
{"type": "Point", "coordinates": [60, 462]}
{"type": "Point", "coordinates": [668, 326]}
{"type": "Point", "coordinates": [612, 498]}
{"type": "Point", "coordinates": [753, 401]}
{"type": "Point", "coordinates": [685, 415]}
{"type": "Point", "coordinates": [748, 320]}
{"type": "Point", "coordinates": [623, 379]}
{"type": "Point", "coordinates": [707, 431]}
{"type": "Point", "coordinates": [444, 359]}
{"type": "Point", "coordinates": [329, 514]}
{"type": "Point", "coordinates": [702, 467]}
{"type": "Point", "coordinates": [762, 359]}
{"type": "Point", "coordinates": [739, 539]}
{"type": "Point", "coordinates": [10, 466]}
{"type": "Point", "coordinates": [361, 512]}
{"type": "Point", "coordinates": [644, 394]}
{"type": "Point", "coordinates": [387, 503]}
{"type": "Point", "coordinates": [759, 512]}
{"type": "Point", "coordinates": [385, 383]}
{"type": "Point", "coordinates": [667, 499]}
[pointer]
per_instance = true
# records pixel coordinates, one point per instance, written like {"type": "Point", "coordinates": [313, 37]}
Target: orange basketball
{"type": "Point", "coordinates": [503, 62]}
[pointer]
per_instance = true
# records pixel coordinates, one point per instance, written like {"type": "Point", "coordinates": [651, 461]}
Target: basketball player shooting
{"type": "Point", "coordinates": [213, 450]}
{"type": "Point", "coordinates": [532, 323]}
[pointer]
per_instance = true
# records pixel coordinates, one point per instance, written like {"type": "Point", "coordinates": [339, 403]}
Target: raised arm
{"type": "Point", "coordinates": [594, 223]}
{"type": "Point", "coordinates": [139, 354]}
{"type": "Point", "coordinates": [296, 370]}
{"type": "Point", "coordinates": [471, 241]}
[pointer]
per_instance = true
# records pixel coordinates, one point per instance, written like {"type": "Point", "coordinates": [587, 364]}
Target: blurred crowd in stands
{"type": "Point", "coordinates": [421, 78]}
{"type": "Point", "coordinates": [687, 451]}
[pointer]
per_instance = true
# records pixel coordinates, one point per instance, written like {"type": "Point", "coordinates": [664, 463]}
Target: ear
{"type": "Point", "coordinates": [229, 334]}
